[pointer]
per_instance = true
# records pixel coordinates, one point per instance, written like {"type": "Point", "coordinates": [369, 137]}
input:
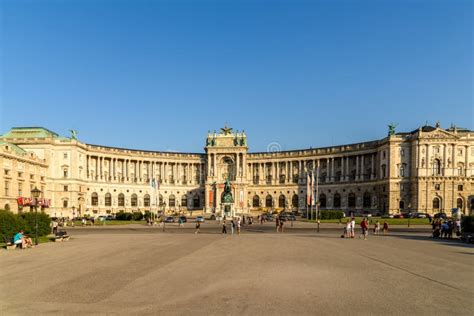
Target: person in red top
{"type": "Point", "coordinates": [364, 225]}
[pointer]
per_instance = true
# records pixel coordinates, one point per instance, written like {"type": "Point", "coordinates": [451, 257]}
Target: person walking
{"type": "Point", "coordinates": [281, 226]}
{"type": "Point", "coordinates": [232, 226]}
{"type": "Point", "coordinates": [198, 228]}
{"type": "Point", "coordinates": [238, 226]}
{"type": "Point", "coordinates": [224, 227]}
{"type": "Point", "coordinates": [55, 227]}
{"type": "Point", "coordinates": [364, 225]}
{"type": "Point", "coordinates": [377, 228]}
{"type": "Point", "coordinates": [352, 231]}
{"type": "Point", "coordinates": [277, 223]}
{"type": "Point", "coordinates": [385, 227]}
{"type": "Point", "coordinates": [347, 229]}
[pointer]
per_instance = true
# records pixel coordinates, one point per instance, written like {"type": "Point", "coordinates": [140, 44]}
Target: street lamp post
{"type": "Point", "coordinates": [35, 193]}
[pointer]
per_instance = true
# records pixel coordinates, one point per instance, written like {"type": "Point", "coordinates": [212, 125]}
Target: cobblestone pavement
{"type": "Point", "coordinates": [133, 269]}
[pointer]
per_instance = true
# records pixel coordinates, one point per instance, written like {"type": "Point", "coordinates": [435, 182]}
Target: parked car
{"type": "Point", "coordinates": [102, 218]}
{"type": "Point", "coordinates": [420, 215]}
{"type": "Point", "coordinates": [169, 219]}
{"type": "Point", "coordinates": [109, 217]}
{"type": "Point", "coordinates": [268, 217]}
{"type": "Point", "coordinates": [291, 217]}
{"type": "Point", "coordinates": [398, 216]}
{"type": "Point", "coordinates": [200, 219]}
{"type": "Point", "coordinates": [183, 219]}
{"type": "Point", "coordinates": [388, 216]}
{"type": "Point", "coordinates": [366, 214]}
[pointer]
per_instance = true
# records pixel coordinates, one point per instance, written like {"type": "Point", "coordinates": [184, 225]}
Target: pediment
{"type": "Point", "coordinates": [437, 134]}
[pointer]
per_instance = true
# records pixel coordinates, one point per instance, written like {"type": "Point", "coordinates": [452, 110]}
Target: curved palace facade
{"type": "Point", "coordinates": [428, 170]}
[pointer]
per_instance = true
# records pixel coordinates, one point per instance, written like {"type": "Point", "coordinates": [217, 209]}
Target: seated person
{"type": "Point", "coordinates": [20, 238]}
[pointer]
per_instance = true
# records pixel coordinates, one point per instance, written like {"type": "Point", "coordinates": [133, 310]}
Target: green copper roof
{"type": "Point", "coordinates": [16, 149]}
{"type": "Point", "coordinates": [29, 132]}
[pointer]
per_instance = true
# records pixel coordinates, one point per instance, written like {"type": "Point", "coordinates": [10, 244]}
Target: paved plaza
{"type": "Point", "coordinates": [141, 270]}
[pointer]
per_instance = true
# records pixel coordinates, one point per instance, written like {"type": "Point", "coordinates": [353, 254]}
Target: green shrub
{"type": "Point", "coordinates": [10, 224]}
{"type": "Point", "coordinates": [329, 214]}
{"type": "Point", "coordinates": [147, 215]}
{"type": "Point", "coordinates": [137, 216]}
{"type": "Point", "coordinates": [44, 223]}
{"type": "Point", "coordinates": [123, 216]}
{"type": "Point", "coordinates": [467, 224]}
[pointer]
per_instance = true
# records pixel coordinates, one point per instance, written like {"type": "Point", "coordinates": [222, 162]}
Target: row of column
{"type": "Point", "coordinates": [265, 172]}
{"type": "Point", "coordinates": [122, 169]}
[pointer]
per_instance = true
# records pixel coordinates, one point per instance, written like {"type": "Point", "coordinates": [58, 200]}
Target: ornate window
{"type": "Point", "coordinates": [322, 200]}
{"type": "Point", "coordinates": [121, 199]}
{"type": "Point", "coordinates": [351, 200]}
{"type": "Point", "coordinates": [146, 200]}
{"type": "Point", "coordinates": [160, 200]}
{"type": "Point", "coordinates": [269, 201]}
{"type": "Point", "coordinates": [436, 203]}
{"type": "Point", "coordinates": [366, 200]}
{"type": "Point", "coordinates": [65, 203]}
{"type": "Point", "coordinates": [255, 201]}
{"type": "Point", "coordinates": [95, 199]}
{"type": "Point", "coordinates": [196, 201]}
{"type": "Point", "coordinates": [281, 201]}
{"type": "Point", "coordinates": [436, 167]}
{"type": "Point", "coordinates": [134, 200]}
{"type": "Point", "coordinates": [172, 201]}
{"type": "Point", "coordinates": [460, 204]}
{"type": "Point", "coordinates": [108, 199]}
{"type": "Point", "coordinates": [184, 201]}
{"type": "Point", "coordinates": [295, 200]}
{"type": "Point", "coordinates": [403, 170]}
{"type": "Point", "coordinates": [337, 200]}
{"type": "Point", "coordinates": [401, 205]}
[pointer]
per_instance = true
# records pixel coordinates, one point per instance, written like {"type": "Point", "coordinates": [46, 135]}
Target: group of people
{"type": "Point", "coordinates": [349, 229]}
{"type": "Point", "coordinates": [235, 224]}
{"type": "Point", "coordinates": [279, 225]}
{"type": "Point", "coordinates": [444, 229]}
{"type": "Point", "coordinates": [21, 239]}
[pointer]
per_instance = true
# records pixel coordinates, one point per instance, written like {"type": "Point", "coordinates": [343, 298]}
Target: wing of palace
{"type": "Point", "coordinates": [430, 169]}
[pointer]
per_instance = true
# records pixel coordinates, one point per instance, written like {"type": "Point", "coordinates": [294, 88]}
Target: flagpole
{"type": "Point", "coordinates": [317, 199]}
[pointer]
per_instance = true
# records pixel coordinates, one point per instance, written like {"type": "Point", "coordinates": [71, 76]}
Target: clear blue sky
{"type": "Point", "coordinates": [158, 75]}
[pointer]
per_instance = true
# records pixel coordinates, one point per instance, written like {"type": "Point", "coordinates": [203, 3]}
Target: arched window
{"type": "Point", "coordinates": [337, 200]}
{"type": "Point", "coordinates": [322, 200]}
{"type": "Point", "coordinates": [351, 200]}
{"type": "Point", "coordinates": [401, 205]}
{"type": "Point", "coordinates": [295, 200]}
{"type": "Point", "coordinates": [366, 201]}
{"type": "Point", "coordinates": [436, 204]}
{"type": "Point", "coordinates": [256, 201]}
{"type": "Point", "coordinates": [184, 201]}
{"type": "Point", "coordinates": [95, 199]}
{"type": "Point", "coordinates": [268, 201]}
{"type": "Point", "coordinates": [172, 201]}
{"type": "Point", "coordinates": [108, 199]}
{"type": "Point", "coordinates": [160, 200]}
{"type": "Point", "coordinates": [281, 201]}
{"type": "Point", "coordinates": [134, 200]}
{"type": "Point", "coordinates": [65, 203]}
{"type": "Point", "coordinates": [196, 201]}
{"type": "Point", "coordinates": [402, 170]}
{"type": "Point", "coordinates": [121, 199]}
{"type": "Point", "coordinates": [384, 171]}
{"type": "Point", "coordinates": [436, 167]}
{"type": "Point", "coordinates": [146, 200]}
{"type": "Point", "coordinates": [460, 204]}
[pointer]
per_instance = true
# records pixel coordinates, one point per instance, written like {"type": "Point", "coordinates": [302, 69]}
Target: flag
{"type": "Point", "coordinates": [308, 188]}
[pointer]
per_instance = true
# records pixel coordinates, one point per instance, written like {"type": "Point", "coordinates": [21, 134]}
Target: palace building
{"type": "Point", "coordinates": [429, 169]}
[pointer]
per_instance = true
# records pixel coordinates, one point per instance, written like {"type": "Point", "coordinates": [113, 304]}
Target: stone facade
{"type": "Point", "coordinates": [428, 170]}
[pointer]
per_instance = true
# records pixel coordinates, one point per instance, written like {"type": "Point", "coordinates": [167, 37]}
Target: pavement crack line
{"type": "Point", "coordinates": [412, 273]}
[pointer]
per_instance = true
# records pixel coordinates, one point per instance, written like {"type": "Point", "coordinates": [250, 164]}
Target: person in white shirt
{"type": "Point", "coordinates": [353, 223]}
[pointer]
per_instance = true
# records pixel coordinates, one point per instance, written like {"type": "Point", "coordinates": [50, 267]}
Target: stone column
{"type": "Point", "coordinates": [332, 169]}
{"type": "Point", "coordinates": [361, 171]}
{"type": "Point", "coordinates": [372, 167]}
{"type": "Point", "coordinates": [342, 169]}
{"type": "Point", "coordinates": [347, 169]}
{"type": "Point", "coordinates": [328, 174]}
